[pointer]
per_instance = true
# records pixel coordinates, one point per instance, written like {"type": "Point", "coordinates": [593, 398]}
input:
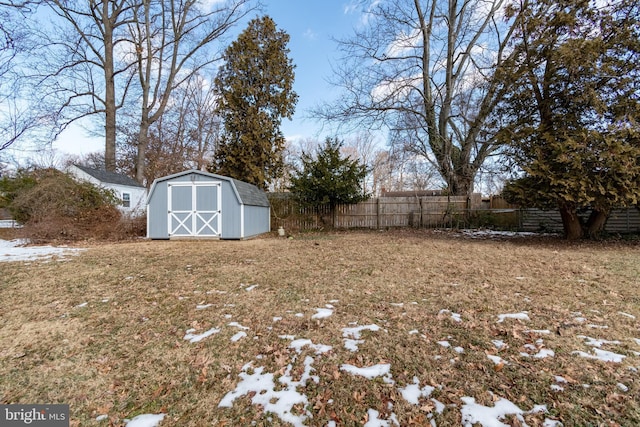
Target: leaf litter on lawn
{"type": "Point", "coordinates": [124, 353]}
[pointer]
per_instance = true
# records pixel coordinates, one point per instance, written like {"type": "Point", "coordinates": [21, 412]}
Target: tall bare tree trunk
{"type": "Point", "coordinates": [110, 95]}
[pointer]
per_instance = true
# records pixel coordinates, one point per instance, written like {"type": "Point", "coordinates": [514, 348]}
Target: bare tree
{"type": "Point", "coordinates": [184, 137]}
{"type": "Point", "coordinates": [424, 69]}
{"type": "Point", "coordinates": [169, 39]}
{"type": "Point", "coordinates": [81, 68]}
{"type": "Point", "coordinates": [19, 119]}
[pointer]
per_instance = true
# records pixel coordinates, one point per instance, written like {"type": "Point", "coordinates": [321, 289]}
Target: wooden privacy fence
{"type": "Point", "coordinates": [432, 212]}
{"type": "Point", "coordinates": [382, 212]}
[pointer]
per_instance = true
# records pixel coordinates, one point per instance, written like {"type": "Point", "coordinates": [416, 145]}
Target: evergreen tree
{"type": "Point", "coordinates": [328, 179]}
{"type": "Point", "coordinates": [572, 120]}
{"type": "Point", "coordinates": [255, 89]}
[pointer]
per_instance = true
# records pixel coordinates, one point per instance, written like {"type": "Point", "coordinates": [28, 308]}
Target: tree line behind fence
{"type": "Point", "coordinates": [431, 212]}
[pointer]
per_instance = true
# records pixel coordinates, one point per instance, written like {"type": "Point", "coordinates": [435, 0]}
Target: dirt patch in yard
{"type": "Point", "coordinates": [395, 327]}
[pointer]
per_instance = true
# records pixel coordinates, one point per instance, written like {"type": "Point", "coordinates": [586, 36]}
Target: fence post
{"type": "Point", "coordinates": [420, 222]}
{"type": "Point", "coordinates": [378, 213]}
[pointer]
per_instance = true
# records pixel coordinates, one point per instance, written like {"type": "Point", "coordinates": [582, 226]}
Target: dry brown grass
{"type": "Point", "coordinates": [124, 354]}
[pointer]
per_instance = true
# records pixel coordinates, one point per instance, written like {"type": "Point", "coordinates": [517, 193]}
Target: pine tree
{"type": "Point", "coordinates": [255, 90]}
{"type": "Point", "coordinates": [572, 121]}
{"type": "Point", "coordinates": [329, 178]}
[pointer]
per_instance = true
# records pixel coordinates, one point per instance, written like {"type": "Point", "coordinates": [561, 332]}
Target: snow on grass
{"type": "Point", "coordinates": [412, 392]}
{"type": "Point", "coordinates": [374, 419]}
{"type": "Point", "coordinates": [473, 413]}
{"type": "Point", "coordinates": [299, 344]}
{"type": "Point", "coordinates": [593, 326]}
{"type": "Point", "coordinates": [497, 359]}
{"type": "Point", "coordinates": [250, 288]}
{"type": "Point", "coordinates": [203, 306]}
{"type": "Point", "coordinates": [15, 250]}
{"type": "Point", "coordinates": [193, 338]}
{"type": "Point", "coordinates": [594, 342]}
{"type": "Point", "coordinates": [238, 336]}
{"type": "Point", "coordinates": [262, 389]}
{"type": "Point", "coordinates": [603, 355]}
{"type": "Point", "coordinates": [145, 420]}
{"type": "Point", "coordinates": [351, 336]}
{"type": "Point", "coordinates": [238, 325]}
{"type": "Point", "coordinates": [380, 370]}
{"type": "Point", "coordinates": [538, 331]}
{"type": "Point", "coordinates": [630, 316]}
{"type": "Point", "coordinates": [499, 344]}
{"type": "Point", "coordinates": [322, 313]}
{"type": "Point", "coordinates": [454, 316]}
{"type": "Point", "coordinates": [518, 316]}
{"type": "Point", "coordinates": [444, 344]}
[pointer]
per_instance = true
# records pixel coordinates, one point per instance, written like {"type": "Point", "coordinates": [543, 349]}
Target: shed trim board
{"type": "Point", "coordinates": [187, 217]}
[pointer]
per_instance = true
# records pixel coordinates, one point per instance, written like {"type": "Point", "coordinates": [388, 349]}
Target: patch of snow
{"type": "Point", "coordinates": [375, 421]}
{"type": "Point", "coordinates": [605, 356]}
{"type": "Point", "coordinates": [351, 336]}
{"type": "Point", "coordinates": [444, 344]}
{"type": "Point", "coordinates": [548, 422]}
{"type": "Point", "coordinates": [499, 344]}
{"type": "Point", "coordinates": [238, 325]}
{"type": "Point", "coordinates": [414, 331]}
{"type": "Point", "coordinates": [380, 370]}
{"type": "Point", "coordinates": [560, 379]}
{"type": "Point", "coordinates": [15, 250]}
{"type": "Point", "coordinates": [322, 313]}
{"type": "Point", "coordinates": [556, 387]}
{"type": "Point", "coordinates": [454, 316]}
{"type": "Point", "coordinates": [594, 342]}
{"type": "Point", "coordinates": [518, 316]}
{"type": "Point", "coordinates": [439, 406]}
{"type": "Point", "coordinates": [262, 388]}
{"type": "Point", "coordinates": [192, 338]}
{"type": "Point", "coordinates": [459, 350]}
{"type": "Point", "coordinates": [623, 387]}
{"type": "Point", "coordinates": [299, 314]}
{"type": "Point", "coordinates": [287, 337]}
{"type": "Point", "coordinates": [102, 417]}
{"type": "Point", "coordinates": [146, 420]}
{"type": "Point", "coordinates": [580, 319]}
{"type": "Point", "coordinates": [497, 359]}
{"type": "Point", "coordinates": [277, 318]}
{"type": "Point", "coordinates": [637, 340]}
{"type": "Point", "coordinates": [592, 326]}
{"type": "Point", "coordinates": [250, 288]}
{"type": "Point", "coordinates": [397, 304]}
{"type": "Point", "coordinates": [486, 416]}
{"type": "Point", "coordinates": [412, 392]}
{"type": "Point", "coordinates": [543, 353]}
{"type": "Point", "coordinates": [203, 306]}
{"type": "Point", "coordinates": [238, 336]}
{"type": "Point", "coordinates": [630, 316]}
{"type": "Point", "coordinates": [538, 331]}
{"type": "Point", "coordinates": [81, 305]}
{"type": "Point", "coordinates": [299, 344]}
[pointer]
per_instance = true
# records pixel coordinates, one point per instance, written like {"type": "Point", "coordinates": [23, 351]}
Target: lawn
{"type": "Point", "coordinates": [333, 329]}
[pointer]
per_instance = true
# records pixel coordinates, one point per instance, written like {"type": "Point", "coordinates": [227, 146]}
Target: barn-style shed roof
{"type": "Point", "coordinates": [248, 194]}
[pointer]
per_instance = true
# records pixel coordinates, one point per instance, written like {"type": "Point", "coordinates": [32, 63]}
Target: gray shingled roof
{"type": "Point", "coordinates": [110, 177]}
{"type": "Point", "coordinates": [250, 194]}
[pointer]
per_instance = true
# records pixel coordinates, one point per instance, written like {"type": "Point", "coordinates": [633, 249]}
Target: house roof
{"type": "Point", "coordinates": [248, 194]}
{"type": "Point", "coordinates": [110, 177]}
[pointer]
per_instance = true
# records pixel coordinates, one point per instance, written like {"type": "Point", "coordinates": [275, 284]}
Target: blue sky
{"type": "Point", "coordinates": [311, 25]}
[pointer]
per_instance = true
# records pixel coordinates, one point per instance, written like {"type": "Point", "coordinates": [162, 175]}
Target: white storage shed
{"type": "Point", "coordinates": [197, 204]}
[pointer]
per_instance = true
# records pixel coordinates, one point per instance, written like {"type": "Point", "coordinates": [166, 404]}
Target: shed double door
{"type": "Point", "coordinates": [194, 209]}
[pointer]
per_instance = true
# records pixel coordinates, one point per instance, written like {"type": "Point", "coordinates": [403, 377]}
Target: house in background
{"type": "Point", "coordinates": [133, 196]}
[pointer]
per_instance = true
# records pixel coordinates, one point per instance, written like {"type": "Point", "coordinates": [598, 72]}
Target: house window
{"type": "Point", "coordinates": [126, 200]}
